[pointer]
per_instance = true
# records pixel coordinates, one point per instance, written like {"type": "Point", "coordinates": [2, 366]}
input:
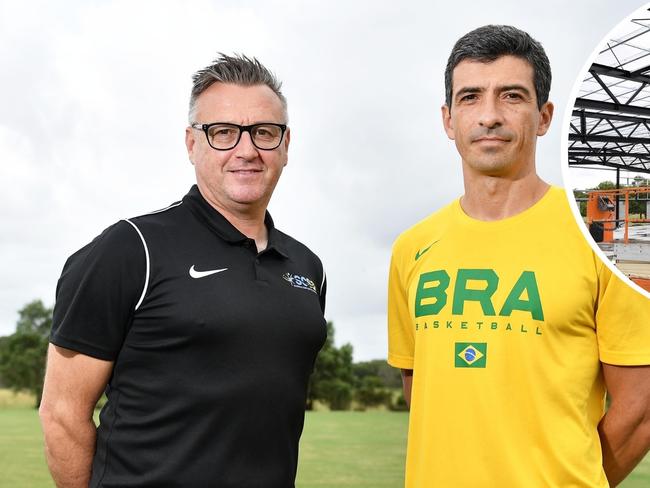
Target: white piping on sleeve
{"type": "Point", "coordinates": [320, 291]}
{"type": "Point", "coordinates": [166, 208]}
{"type": "Point", "coordinates": [146, 255]}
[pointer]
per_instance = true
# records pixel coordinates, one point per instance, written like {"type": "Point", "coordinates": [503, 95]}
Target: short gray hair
{"type": "Point", "coordinates": [237, 70]}
{"type": "Point", "coordinates": [490, 42]}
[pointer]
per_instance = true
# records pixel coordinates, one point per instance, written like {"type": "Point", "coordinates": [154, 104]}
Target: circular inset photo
{"type": "Point", "coordinates": [608, 148]}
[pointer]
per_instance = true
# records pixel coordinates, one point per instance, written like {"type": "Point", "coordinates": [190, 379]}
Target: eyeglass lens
{"type": "Point", "coordinates": [225, 136]}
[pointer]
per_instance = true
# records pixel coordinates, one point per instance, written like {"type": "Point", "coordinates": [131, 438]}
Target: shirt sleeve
{"type": "Point", "coordinates": [401, 340]}
{"type": "Point", "coordinates": [622, 322]}
{"type": "Point", "coordinates": [98, 291]}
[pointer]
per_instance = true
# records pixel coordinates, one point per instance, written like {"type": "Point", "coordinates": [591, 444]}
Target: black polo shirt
{"type": "Point", "coordinates": [213, 346]}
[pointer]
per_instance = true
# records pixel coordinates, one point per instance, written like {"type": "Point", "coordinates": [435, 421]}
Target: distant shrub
{"type": "Point", "coordinates": [372, 393]}
{"type": "Point", "coordinates": [399, 404]}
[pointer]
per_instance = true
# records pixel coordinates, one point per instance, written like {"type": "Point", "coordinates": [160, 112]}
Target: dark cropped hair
{"type": "Point", "coordinates": [490, 42]}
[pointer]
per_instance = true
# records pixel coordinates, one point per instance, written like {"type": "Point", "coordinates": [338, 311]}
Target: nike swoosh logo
{"type": "Point", "coordinates": [201, 274]}
{"type": "Point", "coordinates": [419, 254]}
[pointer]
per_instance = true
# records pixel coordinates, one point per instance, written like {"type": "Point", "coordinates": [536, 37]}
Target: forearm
{"type": "Point", "coordinates": [407, 383]}
{"type": "Point", "coordinates": [69, 448]}
{"type": "Point", "coordinates": [625, 439]}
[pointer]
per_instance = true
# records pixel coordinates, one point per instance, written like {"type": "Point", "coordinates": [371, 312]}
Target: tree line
{"type": "Point", "coordinates": [341, 384]}
{"type": "Point", "coordinates": [22, 354]}
{"type": "Point", "coordinates": [337, 382]}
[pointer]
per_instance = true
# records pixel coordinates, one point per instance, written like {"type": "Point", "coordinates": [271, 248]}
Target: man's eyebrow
{"type": "Point", "coordinates": [468, 89]}
{"type": "Point", "coordinates": [475, 89]}
{"type": "Point", "coordinates": [517, 87]}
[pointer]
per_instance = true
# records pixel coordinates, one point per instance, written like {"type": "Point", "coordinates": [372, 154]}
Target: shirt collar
{"type": "Point", "coordinates": [224, 229]}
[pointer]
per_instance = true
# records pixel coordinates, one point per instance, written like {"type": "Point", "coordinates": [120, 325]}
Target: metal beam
{"type": "Point", "coordinates": [627, 39]}
{"type": "Point", "coordinates": [577, 159]}
{"type": "Point", "coordinates": [612, 107]}
{"type": "Point", "coordinates": [613, 139]}
{"type": "Point", "coordinates": [588, 162]}
{"type": "Point", "coordinates": [619, 73]}
{"type": "Point", "coordinates": [616, 128]}
{"type": "Point", "coordinates": [618, 185]}
{"type": "Point", "coordinates": [641, 87]}
{"type": "Point", "coordinates": [597, 115]}
{"type": "Point", "coordinates": [604, 86]}
{"type": "Point", "coordinates": [607, 153]}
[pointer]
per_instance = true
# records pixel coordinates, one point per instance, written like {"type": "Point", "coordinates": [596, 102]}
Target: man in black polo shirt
{"type": "Point", "coordinates": [201, 321]}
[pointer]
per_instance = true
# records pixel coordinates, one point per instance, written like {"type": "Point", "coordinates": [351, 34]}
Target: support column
{"type": "Point", "coordinates": [617, 211]}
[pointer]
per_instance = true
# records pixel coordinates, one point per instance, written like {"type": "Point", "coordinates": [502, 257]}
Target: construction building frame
{"type": "Point", "coordinates": [610, 130]}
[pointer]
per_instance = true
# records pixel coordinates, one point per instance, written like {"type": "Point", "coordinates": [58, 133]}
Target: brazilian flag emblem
{"type": "Point", "coordinates": [470, 354]}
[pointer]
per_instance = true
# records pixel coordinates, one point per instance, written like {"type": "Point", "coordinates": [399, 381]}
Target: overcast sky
{"type": "Point", "coordinates": [93, 108]}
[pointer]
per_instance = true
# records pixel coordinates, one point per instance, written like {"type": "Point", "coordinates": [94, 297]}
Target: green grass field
{"type": "Point", "coordinates": [338, 449]}
{"type": "Point", "coordinates": [353, 449]}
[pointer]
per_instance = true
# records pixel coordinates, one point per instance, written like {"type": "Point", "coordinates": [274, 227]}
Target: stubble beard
{"type": "Point", "coordinates": [490, 165]}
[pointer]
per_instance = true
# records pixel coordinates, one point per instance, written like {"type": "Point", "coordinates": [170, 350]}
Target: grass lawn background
{"type": "Point", "coordinates": [337, 450]}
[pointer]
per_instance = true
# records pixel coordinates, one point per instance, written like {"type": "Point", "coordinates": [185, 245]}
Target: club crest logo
{"type": "Point", "coordinates": [298, 281]}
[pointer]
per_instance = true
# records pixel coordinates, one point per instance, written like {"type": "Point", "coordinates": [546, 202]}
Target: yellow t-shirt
{"type": "Point", "coordinates": [504, 325]}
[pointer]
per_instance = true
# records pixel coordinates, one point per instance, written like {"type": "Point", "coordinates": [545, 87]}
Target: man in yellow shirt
{"type": "Point", "coordinates": [506, 325]}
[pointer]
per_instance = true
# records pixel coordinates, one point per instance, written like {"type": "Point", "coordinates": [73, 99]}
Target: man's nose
{"type": "Point", "coordinates": [490, 115]}
{"type": "Point", "coordinates": [245, 148]}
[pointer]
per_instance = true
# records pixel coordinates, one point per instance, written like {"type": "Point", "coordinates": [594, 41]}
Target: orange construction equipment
{"type": "Point", "coordinates": [642, 282]}
{"type": "Point", "coordinates": [601, 218]}
{"type": "Point", "coordinates": [601, 212]}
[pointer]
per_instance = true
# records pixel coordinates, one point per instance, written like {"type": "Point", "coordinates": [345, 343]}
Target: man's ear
{"type": "Point", "coordinates": [287, 138]}
{"type": "Point", "coordinates": [545, 118]}
{"type": "Point", "coordinates": [447, 122]}
{"type": "Point", "coordinates": [189, 143]}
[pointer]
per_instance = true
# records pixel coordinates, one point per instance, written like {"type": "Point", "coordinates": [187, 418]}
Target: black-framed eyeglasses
{"type": "Point", "coordinates": [223, 136]}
